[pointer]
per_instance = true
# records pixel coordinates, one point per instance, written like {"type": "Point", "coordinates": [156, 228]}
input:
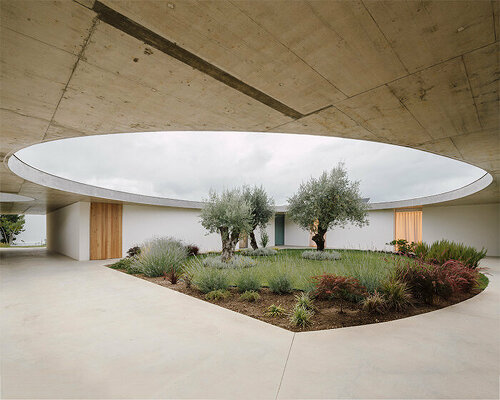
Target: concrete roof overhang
{"type": "Point", "coordinates": [418, 74]}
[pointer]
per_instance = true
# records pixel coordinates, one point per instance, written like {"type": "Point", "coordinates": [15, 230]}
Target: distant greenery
{"type": "Point", "coordinates": [11, 225]}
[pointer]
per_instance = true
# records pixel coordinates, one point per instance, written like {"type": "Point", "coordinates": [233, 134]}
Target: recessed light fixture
{"type": "Point", "coordinates": [460, 29]}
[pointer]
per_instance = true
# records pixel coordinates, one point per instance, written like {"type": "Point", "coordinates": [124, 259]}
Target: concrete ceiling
{"type": "Point", "coordinates": [423, 74]}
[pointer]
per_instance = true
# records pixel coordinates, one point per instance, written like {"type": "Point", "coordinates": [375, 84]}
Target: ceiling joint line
{"type": "Point", "coordinates": [95, 21]}
{"type": "Point", "coordinates": [145, 35]}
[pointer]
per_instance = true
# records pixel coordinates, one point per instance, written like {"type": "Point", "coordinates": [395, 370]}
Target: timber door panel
{"type": "Point", "coordinates": [105, 231]}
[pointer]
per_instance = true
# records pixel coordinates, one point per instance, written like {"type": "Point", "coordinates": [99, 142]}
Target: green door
{"type": "Point", "coordinates": [279, 230]}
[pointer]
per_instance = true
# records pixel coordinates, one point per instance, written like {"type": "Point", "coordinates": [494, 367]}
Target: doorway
{"type": "Point", "coordinates": [105, 231]}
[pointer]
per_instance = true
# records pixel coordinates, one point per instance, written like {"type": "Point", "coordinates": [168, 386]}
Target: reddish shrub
{"type": "Point", "coordinates": [428, 280]}
{"type": "Point", "coordinates": [330, 286]}
{"type": "Point", "coordinates": [462, 277]}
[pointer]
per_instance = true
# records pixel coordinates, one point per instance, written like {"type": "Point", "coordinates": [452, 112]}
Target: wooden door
{"type": "Point", "coordinates": [105, 231]}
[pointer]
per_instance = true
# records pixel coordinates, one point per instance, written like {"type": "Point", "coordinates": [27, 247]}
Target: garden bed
{"type": "Point", "coordinates": [326, 314]}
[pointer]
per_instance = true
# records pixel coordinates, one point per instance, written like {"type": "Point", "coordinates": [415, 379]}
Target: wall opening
{"type": "Point", "coordinates": [279, 230]}
{"type": "Point", "coordinates": [408, 225]}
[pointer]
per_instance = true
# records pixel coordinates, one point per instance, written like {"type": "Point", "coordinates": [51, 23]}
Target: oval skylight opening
{"type": "Point", "coordinates": [185, 165]}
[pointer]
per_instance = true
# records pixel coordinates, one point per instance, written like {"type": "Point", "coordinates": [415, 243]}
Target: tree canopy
{"type": "Point", "coordinates": [261, 207]}
{"type": "Point", "coordinates": [11, 225]}
{"type": "Point", "coordinates": [229, 214]}
{"type": "Point", "coordinates": [328, 201]}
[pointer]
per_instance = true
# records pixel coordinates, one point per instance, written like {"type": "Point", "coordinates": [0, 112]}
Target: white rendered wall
{"type": "Point", "coordinates": [141, 223]}
{"type": "Point", "coordinates": [294, 235]}
{"type": "Point", "coordinates": [68, 231]}
{"type": "Point", "coordinates": [474, 225]}
{"type": "Point", "coordinates": [371, 237]}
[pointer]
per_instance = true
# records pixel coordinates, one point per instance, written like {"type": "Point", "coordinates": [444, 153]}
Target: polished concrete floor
{"type": "Point", "coordinates": [78, 330]}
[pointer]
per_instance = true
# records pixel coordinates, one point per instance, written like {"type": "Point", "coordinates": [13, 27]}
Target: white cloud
{"type": "Point", "coordinates": [186, 165]}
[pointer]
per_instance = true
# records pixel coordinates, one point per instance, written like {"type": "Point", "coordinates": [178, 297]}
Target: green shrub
{"type": "Point", "coordinates": [368, 276]}
{"type": "Point", "coordinates": [482, 282]}
{"type": "Point", "coordinates": [234, 263]}
{"type": "Point", "coordinates": [443, 250]}
{"type": "Point", "coordinates": [250, 296]}
{"type": "Point", "coordinates": [421, 250]}
{"type": "Point", "coordinates": [161, 257]}
{"type": "Point", "coordinates": [320, 255]}
{"type": "Point", "coordinates": [124, 263]}
{"type": "Point", "coordinates": [260, 252]}
{"type": "Point", "coordinates": [300, 317]}
{"type": "Point", "coordinates": [264, 237]}
{"type": "Point", "coordinates": [208, 280]}
{"type": "Point", "coordinates": [216, 295]}
{"type": "Point", "coordinates": [397, 295]}
{"type": "Point", "coordinates": [248, 281]}
{"type": "Point", "coordinates": [275, 311]}
{"type": "Point", "coordinates": [375, 303]}
{"type": "Point", "coordinates": [403, 246]}
{"type": "Point", "coordinates": [280, 283]}
{"type": "Point", "coordinates": [304, 301]}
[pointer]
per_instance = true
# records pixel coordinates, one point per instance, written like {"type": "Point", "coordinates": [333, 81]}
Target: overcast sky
{"type": "Point", "coordinates": [185, 165]}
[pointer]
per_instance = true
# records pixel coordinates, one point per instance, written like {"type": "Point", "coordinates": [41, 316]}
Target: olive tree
{"type": "Point", "coordinates": [328, 201]}
{"type": "Point", "coordinates": [11, 225]}
{"type": "Point", "coordinates": [229, 214]}
{"type": "Point", "coordinates": [261, 207]}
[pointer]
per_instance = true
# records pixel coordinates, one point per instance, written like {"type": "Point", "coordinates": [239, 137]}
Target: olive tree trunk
{"type": "Point", "coordinates": [319, 239]}
{"type": "Point", "coordinates": [229, 242]}
{"type": "Point", "coordinates": [253, 241]}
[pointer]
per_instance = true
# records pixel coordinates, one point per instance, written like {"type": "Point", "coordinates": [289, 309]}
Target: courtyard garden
{"type": "Point", "coordinates": [296, 293]}
{"type": "Point", "coordinates": [305, 289]}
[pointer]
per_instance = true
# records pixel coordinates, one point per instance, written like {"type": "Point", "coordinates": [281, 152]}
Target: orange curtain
{"type": "Point", "coordinates": [408, 225]}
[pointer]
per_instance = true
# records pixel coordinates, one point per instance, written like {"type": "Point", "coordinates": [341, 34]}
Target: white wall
{"type": "Point", "coordinates": [144, 222]}
{"type": "Point", "coordinates": [141, 223]}
{"type": "Point", "coordinates": [371, 237]}
{"type": "Point", "coordinates": [294, 235]}
{"type": "Point", "coordinates": [68, 231]}
{"type": "Point", "coordinates": [474, 225]}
